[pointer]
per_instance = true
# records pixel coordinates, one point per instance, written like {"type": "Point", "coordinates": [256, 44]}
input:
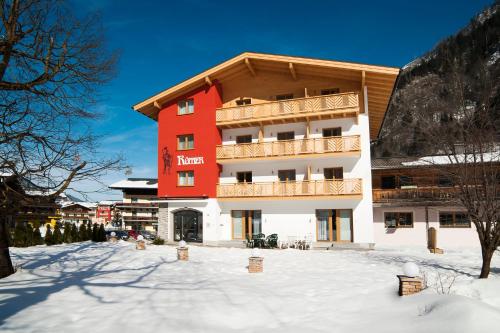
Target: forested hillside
{"type": "Point", "coordinates": [474, 48]}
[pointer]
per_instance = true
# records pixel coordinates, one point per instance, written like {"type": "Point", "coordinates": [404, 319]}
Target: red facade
{"type": "Point", "coordinates": [201, 159]}
{"type": "Point", "coordinates": [104, 211]}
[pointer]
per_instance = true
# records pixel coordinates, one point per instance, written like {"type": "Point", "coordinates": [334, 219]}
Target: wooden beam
{"type": "Point", "coordinates": [363, 97]}
{"type": "Point", "coordinates": [250, 67]}
{"type": "Point", "coordinates": [292, 70]}
{"type": "Point", "coordinates": [157, 105]}
{"type": "Point", "coordinates": [208, 81]}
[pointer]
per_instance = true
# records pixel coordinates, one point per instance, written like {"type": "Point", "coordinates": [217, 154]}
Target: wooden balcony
{"type": "Point", "coordinates": [308, 189]}
{"type": "Point", "coordinates": [291, 110]}
{"type": "Point", "coordinates": [424, 195]}
{"type": "Point", "coordinates": [347, 145]}
{"type": "Point", "coordinates": [122, 205]}
{"type": "Point", "coordinates": [140, 218]}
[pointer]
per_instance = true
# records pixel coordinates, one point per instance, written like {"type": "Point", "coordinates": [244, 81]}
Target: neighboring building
{"type": "Point", "coordinates": [78, 212]}
{"type": "Point", "coordinates": [37, 211]}
{"type": "Point", "coordinates": [409, 197]}
{"type": "Point", "coordinates": [269, 144]}
{"type": "Point", "coordinates": [139, 208]}
{"type": "Point", "coordinates": [104, 211]}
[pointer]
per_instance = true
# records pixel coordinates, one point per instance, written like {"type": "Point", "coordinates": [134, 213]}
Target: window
{"type": "Point", "coordinates": [185, 142]}
{"type": "Point", "coordinates": [398, 220]}
{"type": "Point", "coordinates": [244, 177]}
{"type": "Point", "coordinates": [282, 136]}
{"type": "Point", "coordinates": [185, 178]}
{"type": "Point", "coordinates": [185, 107]}
{"type": "Point", "coordinates": [286, 175]}
{"type": "Point", "coordinates": [243, 101]}
{"type": "Point", "coordinates": [453, 220]}
{"type": "Point", "coordinates": [133, 199]}
{"type": "Point", "coordinates": [284, 97]}
{"type": "Point", "coordinates": [388, 182]}
{"type": "Point", "coordinates": [328, 132]}
{"type": "Point", "coordinates": [330, 91]}
{"type": "Point", "coordinates": [405, 181]}
{"type": "Point", "coordinates": [333, 173]}
{"type": "Point", "coordinates": [244, 139]}
{"type": "Point", "coordinates": [444, 181]}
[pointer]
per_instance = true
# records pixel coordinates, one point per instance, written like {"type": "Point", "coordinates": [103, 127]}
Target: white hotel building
{"type": "Point", "coordinates": [269, 144]}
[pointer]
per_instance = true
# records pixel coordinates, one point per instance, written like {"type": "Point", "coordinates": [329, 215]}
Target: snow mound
{"type": "Point", "coordinates": [460, 314]}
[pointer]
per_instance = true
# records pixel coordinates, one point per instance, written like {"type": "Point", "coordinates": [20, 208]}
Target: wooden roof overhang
{"type": "Point", "coordinates": [379, 80]}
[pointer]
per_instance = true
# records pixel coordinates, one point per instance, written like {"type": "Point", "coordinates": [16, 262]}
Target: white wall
{"type": "Point", "coordinates": [300, 215]}
{"type": "Point", "coordinates": [417, 236]}
{"type": "Point", "coordinates": [295, 217]}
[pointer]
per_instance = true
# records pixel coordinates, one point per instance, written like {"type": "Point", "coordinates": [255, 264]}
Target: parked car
{"type": "Point", "coordinates": [133, 234]}
{"type": "Point", "coordinates": [120, 234]}
{"type": "Point", "coordinates": [148, 235]}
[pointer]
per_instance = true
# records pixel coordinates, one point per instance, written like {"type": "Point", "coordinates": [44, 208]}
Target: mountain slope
{"type": "Point", "coordinates": [476, 44]}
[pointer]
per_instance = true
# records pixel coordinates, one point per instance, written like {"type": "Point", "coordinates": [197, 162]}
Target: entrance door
{"type": "Point", "coordinates": [188, 226]}
{"type": "Point", "coordinates": [334, 225]}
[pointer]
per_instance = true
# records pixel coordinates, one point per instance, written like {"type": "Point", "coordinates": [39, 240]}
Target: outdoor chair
{"type": "Point", "coordinates": [259, 240]}
{"type": "Point", "coordinates": [272, 241]}
{"type": "Point", "coordinates": [250, 242]}
{"type": "Point", "coordinates": [308, 242]}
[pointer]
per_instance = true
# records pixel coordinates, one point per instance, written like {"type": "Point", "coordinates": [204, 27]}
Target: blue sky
{"type": "Point", "coordinates": [165, 42]}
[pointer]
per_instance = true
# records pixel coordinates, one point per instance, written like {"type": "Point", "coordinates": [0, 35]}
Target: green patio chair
{"type": "Point", "coordinates": [272, 241]}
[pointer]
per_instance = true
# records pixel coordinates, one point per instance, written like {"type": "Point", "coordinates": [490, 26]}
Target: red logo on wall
{"type": "Point", "coordinates": [167, 160]}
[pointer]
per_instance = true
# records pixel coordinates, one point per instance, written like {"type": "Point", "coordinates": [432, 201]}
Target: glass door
{"type": "Point", "coordinates": [334, 225]}
{"type": "Point", "coordinates": [345, 225]}
{"type": "Point", "coordinates": [323, 225]}
{"type": "Point", "coordinates": [188, 226]}
{"type": "Point", "coordinates": [237, 216]}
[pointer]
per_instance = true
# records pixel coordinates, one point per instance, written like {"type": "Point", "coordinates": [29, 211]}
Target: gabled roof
{"type": "Point", "coordinates": [379, 79]}
{"type": "Point", "coordinates": [135, 183]}
{"type": "Point", "coordinates": [86, 205]}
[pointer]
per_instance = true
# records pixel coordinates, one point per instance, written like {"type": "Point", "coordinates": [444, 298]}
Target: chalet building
{"type": "Point", "coordinates": [139, 208]}
{"type": "Point", "coordinates": [409, 197]}
{"type": "Point", "coordinates": [269, 144]}
{"type": "Point", "coordinates": [78, 212]}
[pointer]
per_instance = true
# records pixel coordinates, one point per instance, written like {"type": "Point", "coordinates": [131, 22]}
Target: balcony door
{"type": "Point", "coordinates": [331, 142]}
{"type": "Point", "coordinates": [246, 223]}
{"type": "Point", "coordinates": [286, 143]}
{"type": "Point", "coordinates": [334, 225]}
{"type": "Point", "coordinates": [287, 185]}
{"type": "Point", "coordinates": [331, 174]}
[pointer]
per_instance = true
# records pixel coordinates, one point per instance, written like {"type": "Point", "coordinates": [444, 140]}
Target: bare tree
{"type": "Point", "coordinates": [51, 66]}
{"type": "Point", "coordinates": [458, 113]}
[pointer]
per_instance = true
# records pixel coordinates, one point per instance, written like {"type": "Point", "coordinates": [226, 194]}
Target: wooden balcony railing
{"type": "Point", "coordinates": [136, 205]}
{"type": "Point", "coordinates": [341, 144]}
{"type": "Point", "coordinates": [337, 104]}
{"type": "Point", "coordinates": [310, 188]}
{"type": "Point", "coordinates": [140, 218]}
{"type": "Point", "coordinates": [414, 194]}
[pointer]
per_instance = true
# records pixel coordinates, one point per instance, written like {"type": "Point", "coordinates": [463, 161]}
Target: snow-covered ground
{"type": "Point", "coordinates": [106, 287]}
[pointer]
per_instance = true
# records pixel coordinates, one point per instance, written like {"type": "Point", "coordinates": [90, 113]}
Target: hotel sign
{"type": "Point", "coordinates": [183, 160]}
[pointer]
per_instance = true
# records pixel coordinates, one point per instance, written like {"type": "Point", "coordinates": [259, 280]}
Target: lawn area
{"type": "Point", "coordinates": [104, 287]}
